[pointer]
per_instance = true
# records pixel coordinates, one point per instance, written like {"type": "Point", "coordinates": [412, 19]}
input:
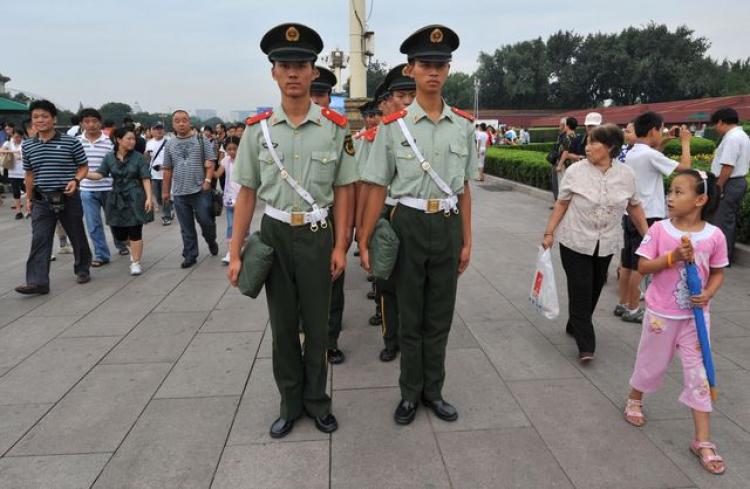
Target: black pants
{"type": "Point", "coordinates": [586, 275]}
{"type": "Point", "coordinates": [726, 215]}
{"type": "Point", "coordinates": [43, 223]}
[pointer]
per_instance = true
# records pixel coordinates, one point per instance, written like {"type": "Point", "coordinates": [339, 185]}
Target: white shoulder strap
{"type": "Point", "coordinates": [444, 187]}
{"type": "Point", "coordinates": [285, 174]}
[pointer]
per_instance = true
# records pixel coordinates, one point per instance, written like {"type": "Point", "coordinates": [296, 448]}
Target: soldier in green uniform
{"type": "Point", "coordinates": [320, 92]}
{"type": "Point", "coordinates": [401, 89]}
{"type": "Point", "coordinates": [297, 159]}
{"type": "Point", "coordinates": [427, 155]}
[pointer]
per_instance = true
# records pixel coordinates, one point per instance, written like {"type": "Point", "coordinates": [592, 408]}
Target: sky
{"type": "Point", "coordinates": [204, 54]}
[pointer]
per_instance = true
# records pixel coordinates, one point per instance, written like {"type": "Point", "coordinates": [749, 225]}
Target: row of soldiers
{"type": "Point", "coordinates": [413, 167]}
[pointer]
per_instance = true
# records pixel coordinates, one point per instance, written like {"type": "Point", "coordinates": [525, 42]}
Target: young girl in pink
{"type": "Point", "coordinates": [668, 325]}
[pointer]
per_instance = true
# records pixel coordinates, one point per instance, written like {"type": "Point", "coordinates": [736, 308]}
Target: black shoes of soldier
{"type": "Point", "coordinates": [335, 356]}
{"type": "Point", "coordinates": [326, 423]}
{"type": "Point", "coordinates": [387, 355]}
{"type": "Point", "coordinates": [213, 247]}
{"type": "Point", "coordinates": [281, 427]}
{"type": "Point", "coordinates": [405, 412]}
{"type": "Point", "coordinates": [442, 409]}
{"type": "Point", "coordinates": [376, 320]}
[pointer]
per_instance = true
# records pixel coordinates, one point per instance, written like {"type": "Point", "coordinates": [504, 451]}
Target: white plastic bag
{"type": "Point", "coordinates": [543, 295]}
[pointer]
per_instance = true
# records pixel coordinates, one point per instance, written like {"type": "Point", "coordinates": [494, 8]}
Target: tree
{"type": "Point", "coordinates": [458, 90]}
{"type": "Point", "coordinates": [115, 111]}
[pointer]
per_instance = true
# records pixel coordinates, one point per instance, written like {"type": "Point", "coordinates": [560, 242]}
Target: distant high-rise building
{"type": "Point", "coordinates": [205, 114]}
{"type": "Point", "coordinates": [137, 108]}
{"type": "Point", "coordinates": [3, 81]}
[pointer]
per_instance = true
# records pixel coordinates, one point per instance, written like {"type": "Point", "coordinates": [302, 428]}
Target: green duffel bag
{"type": "Point", "coordinates": [383, 250]}
{"type": "Point", "coordinates": [257, 258]}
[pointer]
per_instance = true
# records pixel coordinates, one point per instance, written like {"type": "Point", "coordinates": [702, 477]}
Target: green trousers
{"type": "Point", "coordinates": [385, 296]}
{"type": "Point", "coordinates": [299, 287]}
{"type": "Point", "coordinates": [336, 314]}
{"type": "Point", "coordinates": [427, 276]}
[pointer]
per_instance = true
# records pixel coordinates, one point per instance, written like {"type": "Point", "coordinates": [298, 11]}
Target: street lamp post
{"type": "Point", "coordinates": [476, 98]}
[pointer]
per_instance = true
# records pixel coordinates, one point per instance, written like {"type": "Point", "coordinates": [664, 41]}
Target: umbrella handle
{"type": "Point", "coordinates": [714, 394]}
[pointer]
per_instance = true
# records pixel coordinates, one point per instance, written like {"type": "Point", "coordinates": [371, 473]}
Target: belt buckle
{"type": "Point", "coordinates": [433, 206]}
{"type": "Point", "coordinates": [297, 219]}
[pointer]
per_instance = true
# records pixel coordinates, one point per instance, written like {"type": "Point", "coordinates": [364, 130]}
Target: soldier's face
{"type": "Point", "coordinates": [294, 77]}
{"type": "Point", "coordinates": [321, 98]}
{"type": "Point", "coordinates": [401, 99]}
{"type": "Point", "coordinates": [430, 76]}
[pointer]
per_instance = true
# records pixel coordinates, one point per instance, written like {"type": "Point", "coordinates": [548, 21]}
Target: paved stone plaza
{"type": "Point", "coordinates": [164, 381]}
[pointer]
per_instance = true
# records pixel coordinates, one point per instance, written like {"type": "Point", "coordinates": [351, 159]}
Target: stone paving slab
{"type": "Point", "coordinates": [57, 471]}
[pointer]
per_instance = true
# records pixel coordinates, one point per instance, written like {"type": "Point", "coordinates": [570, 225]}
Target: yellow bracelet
{"type": "Point", "coordinates": [670, 262]}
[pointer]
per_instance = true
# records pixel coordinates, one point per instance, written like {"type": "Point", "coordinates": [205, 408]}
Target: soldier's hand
{"type": "Point", "coordinates": [364, 257]}
{"type": "Point", "coordinates": [463, 261]}
{"type": "Point", "coordinates": [338, 263]}
{"type": "Point", "coordinates": [234, 270]}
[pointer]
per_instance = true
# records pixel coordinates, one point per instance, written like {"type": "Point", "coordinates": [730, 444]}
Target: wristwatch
{"type": "Point", "coordinates": [78, 180]}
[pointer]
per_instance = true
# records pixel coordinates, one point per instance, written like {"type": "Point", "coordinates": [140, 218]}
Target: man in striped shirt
{"type": "Point", "coordinates": [188, 171]}
{"type": "Point", "coordinates": [54, 164]}
{"type": "Point", "coordinates": [94, 192]}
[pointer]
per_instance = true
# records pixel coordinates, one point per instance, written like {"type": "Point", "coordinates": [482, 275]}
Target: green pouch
{"type": "Point", "coordinates": [383, 250]}
{"type": "Point", "coordinates": [257, 258]}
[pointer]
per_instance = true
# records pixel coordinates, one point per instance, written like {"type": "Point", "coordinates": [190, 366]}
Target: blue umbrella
{"type": "Point", "coordinates": [695, 286]}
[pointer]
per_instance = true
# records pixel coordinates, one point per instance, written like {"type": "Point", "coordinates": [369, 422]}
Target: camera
{"type": "Point", "coordinates": [157, 167]}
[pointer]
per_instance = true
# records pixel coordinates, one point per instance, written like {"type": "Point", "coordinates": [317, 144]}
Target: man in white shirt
{"type": "Point", "coordinates": [730, 165]}
{"type": "Point", "coordinates": [155, 155]}
{"type": "Point", "coordinates": [482, 138]}
{"type": "Point", "coordinates": [94, 192]}
{"type": "Point", "coordinates": [650, 167]}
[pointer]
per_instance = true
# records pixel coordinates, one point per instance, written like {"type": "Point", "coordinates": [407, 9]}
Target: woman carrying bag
{"type": "Point", "coordinates": [594, 194]}
{"type": "Point", "coordinates": [129, 204]}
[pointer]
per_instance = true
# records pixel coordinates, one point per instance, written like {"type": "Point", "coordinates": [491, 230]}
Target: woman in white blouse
{"type": "Point", "coordinates": [593, 196]}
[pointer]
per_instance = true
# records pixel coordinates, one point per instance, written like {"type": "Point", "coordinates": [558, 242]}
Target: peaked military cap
{"type": "Point", "coordinates": [396, 79]}
{"type": "Point", "coordinates": [291, 42]}
{"type": "Point", "coordinates": [431, 43]}
{"type": "Point", "coordinates": [381, 93]}
{"type": "Point", "coordinates": [324, 82]}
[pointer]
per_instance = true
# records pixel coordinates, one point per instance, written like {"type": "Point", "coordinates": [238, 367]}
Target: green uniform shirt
{"type": "Point", "coordinates": [318, 154]}
{"type": "Point", "coordinates": [449, 146]}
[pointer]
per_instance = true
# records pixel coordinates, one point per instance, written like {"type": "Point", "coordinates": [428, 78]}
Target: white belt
{"type": "Point", "coordinates": [431, 206]}
{"type": "Point", "coordinates": [390, 201]}
{"type": "Point", "coordinates": [300, 218]}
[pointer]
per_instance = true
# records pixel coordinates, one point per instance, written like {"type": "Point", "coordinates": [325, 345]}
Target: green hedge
{"type": "Point", "coordinates": [531, 168]}
{"type": "Point", "coordinates": [698, 146]}
{"type": "Point", "coordinates": [544, 134]}
{"type": "Point", "coordinates": [542, 147]}
{"type": "Point", "coordinates": [527, 167]}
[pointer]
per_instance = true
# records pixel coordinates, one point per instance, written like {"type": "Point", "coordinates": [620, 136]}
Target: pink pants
{"type": "Point", "coordinates": [660, 338]}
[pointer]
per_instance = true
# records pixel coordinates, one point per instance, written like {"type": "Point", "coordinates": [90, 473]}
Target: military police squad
{"type": "Point", "coordinates": [412, 166]}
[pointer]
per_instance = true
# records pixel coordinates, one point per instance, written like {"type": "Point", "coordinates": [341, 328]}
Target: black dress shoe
{"type": "Point", "coordinates": [326, 423]}
{"type": "Point", "coordinates": [83, 278]}
{"type": "Point", "coordinates": [376, 320]}
{"type": "Point", "coordinates": [371, 278]}
{"type": "Point", "coordinates": [30, 289]}
{"type": "Point", "coordinates": [213, 247]}
{"type": "Point", "coordinates": [187, 263]}
{"type": "Point", "coordinates": [442, 409]}
{"type": "Point", "coordinates": [405, 412]}
{"type": "Point", "coordinates": [371, 295]}
{"type": "Point", "coordinates": [387, 355]}
{"type": "Point", "coordinates": [281, 427]}
{"type": "Point", "coordinates": [336, 356]}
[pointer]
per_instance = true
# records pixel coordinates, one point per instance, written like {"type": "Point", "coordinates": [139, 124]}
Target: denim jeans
{"type": "Point", "coordinates": [230, 221]}
{"type": "Point", "coordinates": [166, 206]}
{"type": "Point", "coordinates": [191, 208]}
{"type": "Point", "coordinates": [93, 204]}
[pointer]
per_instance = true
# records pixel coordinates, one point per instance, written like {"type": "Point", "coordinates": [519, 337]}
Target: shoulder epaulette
{"type": "Point", "coordinates": [370, 134]}
{"type": "Point", "coordinates": [335, 117]}
{"type": "Point", "coordinates": [257, 118]}
{"type": "Point", "coordinates": [463, 114]}
{"type": "Point", "coordinates": [393, 117]}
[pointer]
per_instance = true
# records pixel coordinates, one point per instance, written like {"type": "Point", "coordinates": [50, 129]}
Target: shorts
{"type": "Point", "coordinates": [481, 155]}
{"type": "Point", "coordinates": [125, 233]}
{"type": "Point", "coordinates": [632, 241]}
{"type": "Point", "coordinates": [17, 185]}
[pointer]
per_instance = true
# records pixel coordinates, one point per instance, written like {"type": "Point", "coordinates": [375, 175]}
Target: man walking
{"type": "Point", "coordinates": [299, 160]}
{"type": "Point", "coordinates": [54, 164]}
{"type": "Point", "coordinates": [94, 192]}
{"type": "Point", "coordinates": [730, 165]}
{"type": "Point", "coordinates": [189, 162]}
{"type": "Point", "coordinates": [155, 156]}
{"type": "Point", "coordinates": [432, 218]}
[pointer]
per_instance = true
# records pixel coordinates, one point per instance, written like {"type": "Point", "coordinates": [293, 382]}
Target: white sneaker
{"type": "Point", "coordinates": [65, 250]}
{"type": "Point", "coordinates": [225, 260]}
{"type": "Point", "coordinates": [135, 268]}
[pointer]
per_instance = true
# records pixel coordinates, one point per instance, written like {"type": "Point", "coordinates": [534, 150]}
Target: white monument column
{"type": "Point", "coordinates": [357, 68]}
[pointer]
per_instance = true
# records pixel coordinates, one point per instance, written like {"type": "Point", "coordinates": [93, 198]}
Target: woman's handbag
{"type": "Point", "coordinates": [8, 160]}
{"type": "Point", "coordinates": [217, 201]}
{"type": "Point", "coordinates": [257, 259]}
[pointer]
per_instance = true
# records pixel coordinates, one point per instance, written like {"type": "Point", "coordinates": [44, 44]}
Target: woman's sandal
{"type": "Point", "coordinates": [98, 263]}
{"type": "Point", "coordinates": [705, 460]}
{"type": "Point", "coordinates": [632, 416]}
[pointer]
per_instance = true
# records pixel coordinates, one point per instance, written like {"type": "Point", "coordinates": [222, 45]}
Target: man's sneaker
{"type": "Point", "coordinates": [619, 310]}
{"type": "Point", "coordinates": [19, 216]}
{"type": "Point", "coordinates": [633, 317]}
{"type": "Point", "coordinates": [135, 268]}
{"type": "Point", "coordinates": [65, 250]}
{"type": "Point", "coordinates": [225, 260]}
{"type": "Point", "coordinates": [52, 257]}
{"type": "Point", "coordinates": [165, 221]}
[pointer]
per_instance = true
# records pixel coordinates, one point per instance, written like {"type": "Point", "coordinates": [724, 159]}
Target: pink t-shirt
{"type": "Point", "coordinates": [668, 293]}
